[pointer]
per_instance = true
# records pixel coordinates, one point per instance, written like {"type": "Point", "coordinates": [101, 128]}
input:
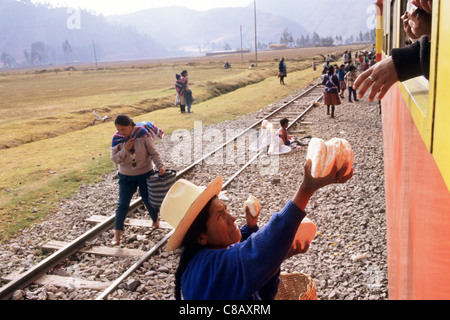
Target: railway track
{"type": "Point", "coordinates": [296, 108]}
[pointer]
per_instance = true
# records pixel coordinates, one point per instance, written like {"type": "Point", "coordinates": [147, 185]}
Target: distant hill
{"type": "Point", "coordinates": [177, 27]}
{"type": "Point", "coordinates": [325, 17]}
{"type": "Point", "coordinates": [23, 24]}
{"type": "Point", "coordinates": [40, 35]}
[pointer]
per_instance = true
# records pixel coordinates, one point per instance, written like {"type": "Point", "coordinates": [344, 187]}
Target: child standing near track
{"type": "Point", "coordinates": [351, 77]}
{"type": "Point", "coordinates": [331, 94]}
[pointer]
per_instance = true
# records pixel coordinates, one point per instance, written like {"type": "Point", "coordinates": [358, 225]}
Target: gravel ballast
{"type": "Point", "coordinates": [347, 259]}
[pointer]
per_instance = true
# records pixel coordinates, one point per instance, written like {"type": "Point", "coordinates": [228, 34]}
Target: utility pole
{"type": "Point", "coordinates": [95, 55]}
{"type": "Point", "coordinates": [242, 52]}
{"type": "Point", "coordinates": [256, 41]}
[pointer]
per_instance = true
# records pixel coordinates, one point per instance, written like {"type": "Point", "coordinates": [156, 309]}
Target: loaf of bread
{"type": "Point", "coordinates": [349, 156]}
{"type": "Point", "coordinates": [305, 233]}
{"type": "Point", "coordinates": [317, 152]}
{"type": "Point", "coordinates": [253, 205]}
{"type": "Point", "coordinates": [330, 160]}
{"type": "Point", "coordinates": [324, 155]}
{"type": "Point", "coordinates": [341, 151]}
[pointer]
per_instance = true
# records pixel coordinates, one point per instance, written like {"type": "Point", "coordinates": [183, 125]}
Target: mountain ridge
{"type": "Point", "coordinates": [37, 34]}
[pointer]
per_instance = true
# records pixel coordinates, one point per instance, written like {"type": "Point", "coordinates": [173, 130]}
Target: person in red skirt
{"type": "Point", "coordinates": [331, 94]}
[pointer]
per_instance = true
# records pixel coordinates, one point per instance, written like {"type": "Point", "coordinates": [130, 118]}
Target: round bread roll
{"type": "Point", "coordinates": [306, 232]}
{"type": "Point", "coordinates": [341, 151]}
{"type": "Point", "coordinates": [317, 152]}
{"type": "Point", "coordinates": [253, 205]}
{"type": "Point", "coordinates": [332, 153]}
{"type": "Point", "coordinates": [349, 149]}
{"type": "Point", "coordinates": [324, 155]}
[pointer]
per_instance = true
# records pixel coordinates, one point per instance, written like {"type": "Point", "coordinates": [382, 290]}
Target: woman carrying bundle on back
{"type": "Point", "coordinates": [184, 94]}
{"type": "Point", "coordinates": [134, 150]}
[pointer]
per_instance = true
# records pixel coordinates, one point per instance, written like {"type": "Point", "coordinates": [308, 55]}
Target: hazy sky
{"type": "Point", "coordinates": [127, 6]}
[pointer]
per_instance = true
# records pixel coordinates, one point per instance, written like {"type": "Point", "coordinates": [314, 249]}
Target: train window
{"type": "Point", "coordinates": [405, 5]}
{"type": "Point", "coordinates": [392, 29]}
{"type": "Point", "coordinates": [415, 91]}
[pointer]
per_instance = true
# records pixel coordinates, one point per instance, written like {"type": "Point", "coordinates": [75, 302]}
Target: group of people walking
{"type": "Point", "coordinates": [336, 80]}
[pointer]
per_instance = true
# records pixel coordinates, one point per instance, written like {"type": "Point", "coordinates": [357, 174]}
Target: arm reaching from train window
{"type": "Point", "coordinates": [414, 60]}
{"type": "Point", "coordinates": [426, 5]}
{"type": "Point", "coordinates": [403, 64]}
{"type": "Point", "coordinates": [381, 77]}
{"type": "Point", "coordinates": [417, 23]}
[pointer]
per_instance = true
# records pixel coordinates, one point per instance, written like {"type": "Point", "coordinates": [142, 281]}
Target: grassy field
{"type": "Point", "coordinates": [48, 149]}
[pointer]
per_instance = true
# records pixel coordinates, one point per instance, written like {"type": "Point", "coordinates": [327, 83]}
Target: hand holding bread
{"type": "Point", "coordinates": [324, 155]}
{"type": "Point", "coordinates": [321, 168]}
{"type": "Point", "coordinates": [252, 207]}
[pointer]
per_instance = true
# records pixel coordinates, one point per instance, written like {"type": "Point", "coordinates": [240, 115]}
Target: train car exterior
{"type": "Point", "coordinates": [416, 133]}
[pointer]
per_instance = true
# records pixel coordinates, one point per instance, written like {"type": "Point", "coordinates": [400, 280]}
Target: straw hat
{"type": "Point", "coordinates": [183, 203]}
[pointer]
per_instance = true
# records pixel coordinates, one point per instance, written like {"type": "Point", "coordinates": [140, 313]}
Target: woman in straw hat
{"type": "Point", "coordinates": [219, 261]}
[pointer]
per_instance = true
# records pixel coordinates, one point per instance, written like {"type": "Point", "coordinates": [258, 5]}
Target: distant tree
{"type": "Point", "coordinates": [262, 46]}
{"type": "Point", "coordinates": [8, 60]}
{"type": "Point", "coordinates": [302, 41]}
{"type": "Point", "coordinates": [326, 42]}
{"type": "Point", "coordinates": [315, 39]}
{"type": "Point", "coordinates": [37, 52]}
{"type": "Point", "coordinates": [227, 46]}
{"type": "Point", "coordinates": [291, 40]}
{"type": "Point", "coordinates": [373, 35]}
{"type": "Point", "coordinates": [27, 57]}
{"type": "Point", "coordinates": [286, 37]}
{"type": "Point", "coordinates": [350, 40]}
{"type": "Point", "coordinates": [67, 48]}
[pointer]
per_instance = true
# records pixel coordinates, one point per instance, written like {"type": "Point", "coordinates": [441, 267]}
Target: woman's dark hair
{"type": "Point", "coordinates": [330, 70]}
{"type": "Point", "coordinates": [123, 120]}
{"type": "Point", "coordinates": [284, 121]}
{"type": "Point", "coordinates": [190, 245]}
{"type": "Point", "coordinates": [184, 72]}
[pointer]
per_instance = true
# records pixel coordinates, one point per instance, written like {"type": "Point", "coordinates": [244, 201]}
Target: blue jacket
{"type": "Point", "coordinates": [341, 74]}
{"type": "Point", "coordinates": [282, 67]}
{"type": "Point", "coordinates": [246, 270]}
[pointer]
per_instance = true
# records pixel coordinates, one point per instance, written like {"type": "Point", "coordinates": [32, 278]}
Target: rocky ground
{"type": "Point", "coordinates": [347, 259]}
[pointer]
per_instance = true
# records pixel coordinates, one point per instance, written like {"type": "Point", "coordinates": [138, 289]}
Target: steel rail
{"type": "Point", "coordinates": [134, 267]}
{"type": "Point", "coordinates": [248, 129]}
{"type": "Point", "coordinates": [50, 262]}
{"type": "Point", "coordinates": [262, 151]}
{"type": "Point", "coordinates": [116, 283]}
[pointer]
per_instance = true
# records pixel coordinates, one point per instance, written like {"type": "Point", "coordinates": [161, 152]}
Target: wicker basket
{"type": "Point", "coordinates": [296, 286]}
